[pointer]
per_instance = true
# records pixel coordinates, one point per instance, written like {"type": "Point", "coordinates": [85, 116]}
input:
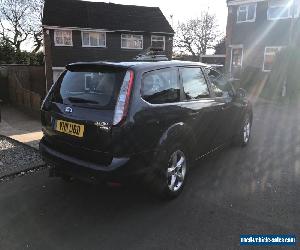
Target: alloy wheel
{"type": "Point", "coordinates": [176, 171]}
{"type": "Point", "coordinates": [246, 131]}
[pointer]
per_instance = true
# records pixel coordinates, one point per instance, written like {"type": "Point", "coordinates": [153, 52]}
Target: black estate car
{"type": "Point", "coordinates": [108, 121]}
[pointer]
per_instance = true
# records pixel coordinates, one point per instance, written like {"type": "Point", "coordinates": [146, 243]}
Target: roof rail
{"type": "Point", "coordinates": [152, 54]}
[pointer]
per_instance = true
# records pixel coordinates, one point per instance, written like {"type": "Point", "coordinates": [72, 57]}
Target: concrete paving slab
{"type": "Point", "coordinates": [20, 126]}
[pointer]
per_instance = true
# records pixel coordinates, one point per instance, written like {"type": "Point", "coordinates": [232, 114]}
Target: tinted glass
{"type": "Point", "coordinates": [194, 84]}
{"type": "Point", "coordinates": [161, 86]}
{"type": "Point", "coordinates": [220, 86]}
{"type": "Point", "coordinates": [96, 89]}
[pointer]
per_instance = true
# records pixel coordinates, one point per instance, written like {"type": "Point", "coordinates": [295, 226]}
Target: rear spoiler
{"type": "Point", "coordinates": [96, 66]}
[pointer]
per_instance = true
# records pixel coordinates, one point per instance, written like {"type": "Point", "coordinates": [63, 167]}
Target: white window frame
{"type": "Point", "coordinates": [269, 53]}
{"type": "Point", "coordinates": [91, 46]}
{"type": "Point", "coordinates": [154, 38]}
{"type": "Point", "coordinates": [247, 13]}
{"type": "Point", "coordinates": [142, 38]}
{"type": "Point", "coordinates": [276, 4]}
{"type": "Point", "coordinates": [63, 45]}
{"type": "Point", "coordinates": [85, 80]}
{"type": "Point", "coordinates": [240, 46]}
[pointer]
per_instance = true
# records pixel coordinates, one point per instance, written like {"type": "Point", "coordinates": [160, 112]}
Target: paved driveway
{"type": "Point", "coordinates": [250, 190]}
{"type": "Point", "coordinates": [21, 126]}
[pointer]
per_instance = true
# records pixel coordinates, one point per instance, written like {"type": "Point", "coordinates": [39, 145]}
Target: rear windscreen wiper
{"type": "Point", "coordinates": [81, 100]}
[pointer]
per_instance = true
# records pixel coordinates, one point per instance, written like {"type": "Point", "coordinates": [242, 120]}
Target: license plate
{"type": "Point", "coordinates": [69, 128]}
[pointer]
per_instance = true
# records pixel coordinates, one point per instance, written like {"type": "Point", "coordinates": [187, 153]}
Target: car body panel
{"type": "Point", "coordinates": [203, 124]}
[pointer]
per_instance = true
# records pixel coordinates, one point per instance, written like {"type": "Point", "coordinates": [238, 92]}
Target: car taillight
{"type": "Point", "coordinates": [121, 109]}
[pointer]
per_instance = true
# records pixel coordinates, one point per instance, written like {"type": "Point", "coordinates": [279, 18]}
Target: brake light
{"type": "Point", "coordinates": [122, 106]}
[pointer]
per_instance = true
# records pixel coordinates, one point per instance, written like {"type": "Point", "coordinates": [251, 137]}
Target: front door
{"type": "Point", "coordinates": [228, 111]}
{"type": "Point", "coordinates": [236, 61]}
{"type": "Point", "coordinates": [201, 110]}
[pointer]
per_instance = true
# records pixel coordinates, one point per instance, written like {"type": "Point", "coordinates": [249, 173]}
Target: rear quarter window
{"type": "Point", "coordinates": [161, 86]}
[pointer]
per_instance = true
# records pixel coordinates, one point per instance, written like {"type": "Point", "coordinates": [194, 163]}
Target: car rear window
{"type": "Point", "coordinates": [89, 87]}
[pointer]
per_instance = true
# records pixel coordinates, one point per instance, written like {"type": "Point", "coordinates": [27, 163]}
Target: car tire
{"type": "Point", "coordinates": [171, 169]}
{"type": "Point", "coordinates": [243, 137]}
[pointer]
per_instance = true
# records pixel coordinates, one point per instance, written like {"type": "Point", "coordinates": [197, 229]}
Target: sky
{"type": "Point", "coordinates": [184, 9]}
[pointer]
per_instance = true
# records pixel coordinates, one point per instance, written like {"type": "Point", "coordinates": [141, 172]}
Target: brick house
{"type": "Point", "coordinates": [256, 31]}
{"type": "Point", "coordinates": [95, 31]}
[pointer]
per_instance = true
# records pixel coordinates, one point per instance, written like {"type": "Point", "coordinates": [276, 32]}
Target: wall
{"type": "Point", "coordinates": [219, 60]}
{"type": "Point", "coordinates": [255, 36]}
{"type": "Point", "coordinates": [59, 57]}
{"type": "Point", "coordinates": [62, 56]}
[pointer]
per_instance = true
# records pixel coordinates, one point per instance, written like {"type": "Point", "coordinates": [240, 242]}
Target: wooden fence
{"type": "Point", "coordinates": [26, 85]}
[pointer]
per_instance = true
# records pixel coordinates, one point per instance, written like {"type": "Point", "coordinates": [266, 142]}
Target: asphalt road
{"type": "Point", "coordinates": [237, 191]}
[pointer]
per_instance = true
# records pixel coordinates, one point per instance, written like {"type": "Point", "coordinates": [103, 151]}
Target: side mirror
{"type": "Point", "coordinates": [241, 93]}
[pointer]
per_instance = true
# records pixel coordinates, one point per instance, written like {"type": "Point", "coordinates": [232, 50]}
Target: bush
{"type": "Point", "coordinates": [8, 55]}
{"type": "Point", "coordinates": [6, 52]}
{"type": "Point", "coordinates": [28, 58]}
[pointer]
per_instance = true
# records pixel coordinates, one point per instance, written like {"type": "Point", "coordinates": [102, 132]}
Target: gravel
{"type": "Point", "coordinates": [16, 157]}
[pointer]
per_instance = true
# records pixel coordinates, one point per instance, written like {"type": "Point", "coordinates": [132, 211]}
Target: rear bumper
{"type": "Point", "coordinates": [119, 168]}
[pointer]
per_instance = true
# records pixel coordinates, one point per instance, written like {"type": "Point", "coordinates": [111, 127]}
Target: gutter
{"type": "Point", "coordinates": [240, 2]}
{"type": "Point", "coordinates": [102, 30]}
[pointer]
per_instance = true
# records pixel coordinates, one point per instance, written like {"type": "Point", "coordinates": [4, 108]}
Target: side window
{"type": "Point", "coordinates": [219, 84]}
{"type": "Point", "coordinates": [194, 84]}
{"type": "Point", "coordinates": [161, 86]}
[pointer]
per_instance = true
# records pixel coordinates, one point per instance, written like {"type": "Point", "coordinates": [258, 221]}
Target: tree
{"type": "Point", "coordinates": [36, 24]}
{"type": "Point", "coordinates": [20, 20]}
{"type": "Point", "coordinates": [220, 47]}
{"type": "Point", "coordinates": [198, 35]}
{"type": "Point", "coordinates": [14, 21]}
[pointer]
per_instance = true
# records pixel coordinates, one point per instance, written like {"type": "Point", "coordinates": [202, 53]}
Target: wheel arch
{"type": "Point", "coordinates": [178, 132]}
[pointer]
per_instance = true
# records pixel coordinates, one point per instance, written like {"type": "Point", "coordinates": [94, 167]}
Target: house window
{"type": "Point", "coordinates": [237, 57]}
{"type": "Point", "coordinates": [63, 38]}
{"type": "Point", "coordinates": [131, 41]}
{"type": "Point", "coordinates": [269, 57]}
{"type": "Point", "coordinates": [158, 42]}
{"type": "Point", "coordinates": [88, 78]}
{"type": "Point", "coordinates": [93, 39]}
{"type": "Point", "coordinates": [246, 13]}
{"type": "Point", "coordinates": [283, 9]}
{"type": "Point", "coordinates": [57, 71]}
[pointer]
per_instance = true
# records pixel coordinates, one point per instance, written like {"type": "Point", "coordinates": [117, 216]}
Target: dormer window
{"type": "Point", "coordinates": [246, 13]}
